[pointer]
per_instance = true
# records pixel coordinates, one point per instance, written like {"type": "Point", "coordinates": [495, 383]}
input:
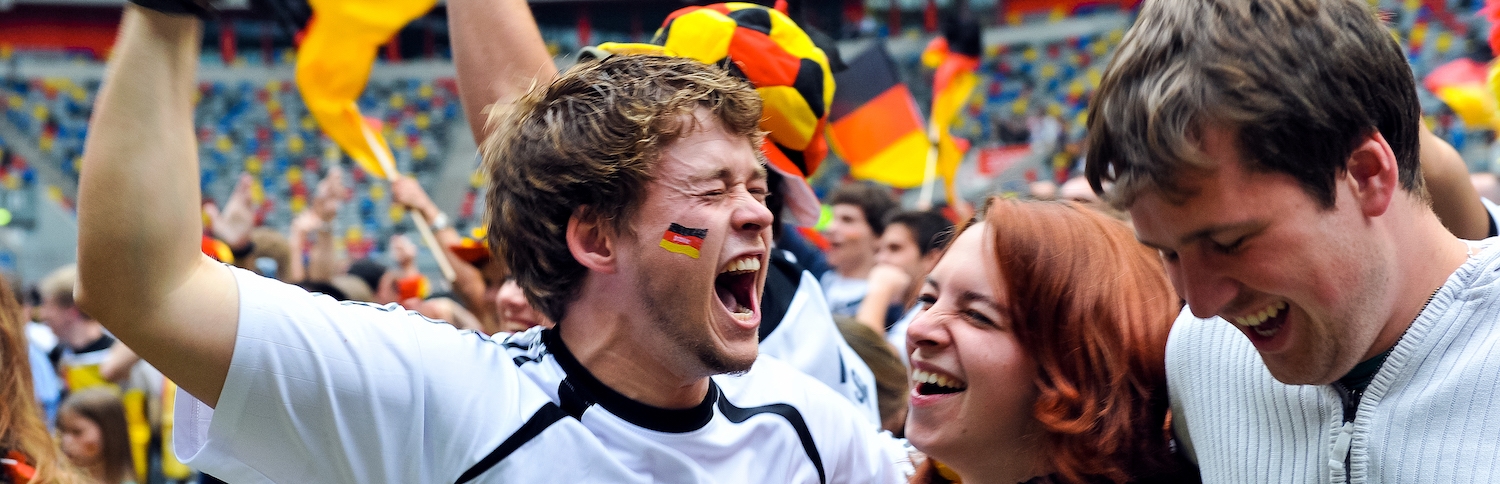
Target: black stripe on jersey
{"type": "Point", "coordinates": [521, 360]}
{"type": "Point", "coordinates": [386, 307]}
{"type": "Point", "coordinates": [843, 372]}
{"type": "Point", "coordinates": [543, 418]}
{"type": "Point", "coordinates": [792, 416]}
{"type": "Point", "coordinates": [591, 391]}
{"type": "Point", "coordinates": [573, 400]}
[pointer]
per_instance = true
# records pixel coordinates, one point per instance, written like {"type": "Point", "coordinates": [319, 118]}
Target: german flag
{"type": "Point", "coordinates": [876, 126]}
{"type": "Point", "coordinates": [955, 56]}
{"type": "Point", "coordinates": [683, 240]}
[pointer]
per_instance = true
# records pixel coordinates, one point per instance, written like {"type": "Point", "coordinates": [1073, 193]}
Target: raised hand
{"type": "Point", "coordinates": [236, 220]}
{"type": "Point", "coordinates": [331, 194]}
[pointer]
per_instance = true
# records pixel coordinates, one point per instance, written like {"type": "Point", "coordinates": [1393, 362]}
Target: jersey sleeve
{"type": "Point", "coordinates": [323, 391]}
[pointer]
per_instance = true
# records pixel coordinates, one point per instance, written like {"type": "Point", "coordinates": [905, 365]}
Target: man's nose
{"type": "Point", "coordinates": [1205, 287]}
{"type": "Point", "coordinates": [751, 215]}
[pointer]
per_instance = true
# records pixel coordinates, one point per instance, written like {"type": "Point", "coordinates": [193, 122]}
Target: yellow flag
{"type": "Point", "coordinates": [333, 65]}
{"type": "Point", "coordinates": [952, 84]}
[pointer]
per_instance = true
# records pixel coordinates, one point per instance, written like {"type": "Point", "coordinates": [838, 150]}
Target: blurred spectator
{"type": "Point", "coordinates": [411, 286]}
{"type": "Point", "coordinates": [859, 211]}
{"type": "Point", "coordinates": [233, 223]}
{"type": "Point", "coordinates": [323, 260]}
{"type": "Point", "coordinates": [477, 276]}
{"type": "Point", "coordinates": [1453, 197]}
{"type": "Point", "coordinates": [324, 288]}
{"type": "Point", "coordinates": [26, 451]}
{"type": "Point", "coordinates": [444, 308]}
{"type": "Point", "coordinates": [93, 435]}
{"type": "Point", "coordinates": [45, 384]}
{"type": "Point", "coordinates": [1077, 189]}
{"type": "Point", "coordinates": [82, 342]}
{"type": "Point", "coordinates": [352, 287]}
{"type": "Point", "coordinates": [1042, 190]}
{"type": "Point", "coordinates": [380, 279]}
{"type": "Point", "coordinates": [1486, 184]}
{"type": "Point", "coordinates": [891, 388]}
{"type": "Point", "coordinates": [516, 313]}
{"type": "Point", "coordinates": [141, 388]}
{"type": "Point", "coordinates": [912, 243]}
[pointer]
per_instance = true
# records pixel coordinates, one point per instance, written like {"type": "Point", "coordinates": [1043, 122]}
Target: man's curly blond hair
{"type": "Point", "coordinates": [586, 145]}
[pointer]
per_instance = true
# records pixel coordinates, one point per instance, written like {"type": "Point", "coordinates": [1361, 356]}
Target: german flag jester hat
{"type": "Point", "coordinates": [791, 74]}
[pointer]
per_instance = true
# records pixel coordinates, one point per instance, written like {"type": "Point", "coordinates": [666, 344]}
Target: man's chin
{"type": "Point", "coordinates": [720, 361]}
{"type": "Point", "coordinates": [1300, 373]}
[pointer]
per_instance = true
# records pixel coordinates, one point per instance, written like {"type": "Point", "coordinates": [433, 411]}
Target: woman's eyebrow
{"type": "Point", "coordinates": [971, 296]}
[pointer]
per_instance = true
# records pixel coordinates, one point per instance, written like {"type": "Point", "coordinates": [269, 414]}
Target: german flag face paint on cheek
{"type": "Point", "coordinates": [683, 240]}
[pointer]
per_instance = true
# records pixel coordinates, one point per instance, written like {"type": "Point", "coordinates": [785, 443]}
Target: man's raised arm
{"type": "Point", "coordinates": [140, 269]}
{"type": "Point", "coordinates": [498, 53]}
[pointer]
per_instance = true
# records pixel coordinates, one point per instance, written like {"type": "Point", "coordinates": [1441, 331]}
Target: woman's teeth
{"type": "Point", "coordinates": [1256, 319]}
{"type": "Point", "coordinates": [920, 377]}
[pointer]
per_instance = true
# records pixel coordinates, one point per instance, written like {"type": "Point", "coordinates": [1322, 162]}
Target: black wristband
{"type": "Point", "coordinates": [197, 8]}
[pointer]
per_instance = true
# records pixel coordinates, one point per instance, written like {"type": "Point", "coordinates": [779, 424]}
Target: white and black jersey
{"type": "Point", "coordinates": [770, 424]}
{"type": "Point", "coordinates": [797, 328]}
{"type": "Point", "coordinates": [322, 391]}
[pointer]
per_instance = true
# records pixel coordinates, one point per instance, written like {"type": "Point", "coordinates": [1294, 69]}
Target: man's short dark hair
{"type": "Point", "coordinates": [874, 200]}
{"type": "Point", "coordinates": [931, 229]}
{"type": "Point", "coordinates": [1300, 83]}
{"type": "Point", "coordinates": [587, 144]}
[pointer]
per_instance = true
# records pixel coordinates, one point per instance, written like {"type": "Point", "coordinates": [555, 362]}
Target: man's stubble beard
{"type": "Point", "coordinates": [1336, 348]}
{"type": "Point", "coordinates": [690, 340]}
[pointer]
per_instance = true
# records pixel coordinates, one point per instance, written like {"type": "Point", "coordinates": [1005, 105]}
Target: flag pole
{"type": "Point", "coordinates": [929, 175]}
{"type": "Point", "coordinates": [388, 166]}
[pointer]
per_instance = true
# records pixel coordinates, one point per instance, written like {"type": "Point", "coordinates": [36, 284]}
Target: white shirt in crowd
{"type": "Point", "coordinates": [322, 391]}
{"type": "Point", "coordinates": [809, 340]}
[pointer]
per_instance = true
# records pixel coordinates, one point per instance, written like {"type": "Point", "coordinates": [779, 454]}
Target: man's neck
{"type": "Point", "coordinates": [606, 345]}
{"type": "Point", "coordinates": [1425, 256]}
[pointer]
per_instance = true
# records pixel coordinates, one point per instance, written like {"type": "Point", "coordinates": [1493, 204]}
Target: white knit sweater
{"type": "Point", "coordinates": [1431, 414]}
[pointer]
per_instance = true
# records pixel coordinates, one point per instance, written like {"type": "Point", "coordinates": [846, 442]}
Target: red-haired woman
{"type": "Point", "coordinates": [1046, 363]}
{"type": "Point", "coordinates": [27, 453]}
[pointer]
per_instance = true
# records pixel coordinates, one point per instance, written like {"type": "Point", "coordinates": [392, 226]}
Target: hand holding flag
{"type": "Point", "coordinates": [333, 65]}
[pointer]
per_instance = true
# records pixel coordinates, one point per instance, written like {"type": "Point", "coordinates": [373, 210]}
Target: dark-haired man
{"type": "Point", "coordinates": [1269, 150]}
{"type": "Point", "coordinates": [912, 243]}
{"type": "Point", "coordinates": [859, 211]}
{"type": "Point", "coordinates": [629, 190]}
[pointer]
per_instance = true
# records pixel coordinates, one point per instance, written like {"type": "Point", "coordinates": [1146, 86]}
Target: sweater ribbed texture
{"type": "Point", "coordinates": [1431, 414]}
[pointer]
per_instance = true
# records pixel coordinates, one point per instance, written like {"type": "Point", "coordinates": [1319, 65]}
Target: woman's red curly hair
{"type": "Point", "coordinates": [1093, 308]}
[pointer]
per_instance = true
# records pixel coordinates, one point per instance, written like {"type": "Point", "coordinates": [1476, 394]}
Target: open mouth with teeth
{"type": "Point", "coordinates": [1266, 322]}
{"type": "Point", "coordinates": [928, 383]}
{"type": "Point", "coordinates": [735, 286]}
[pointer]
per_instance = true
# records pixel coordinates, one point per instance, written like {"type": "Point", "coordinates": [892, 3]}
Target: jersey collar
{"type": "Point", "coordinates": [580, 390]}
